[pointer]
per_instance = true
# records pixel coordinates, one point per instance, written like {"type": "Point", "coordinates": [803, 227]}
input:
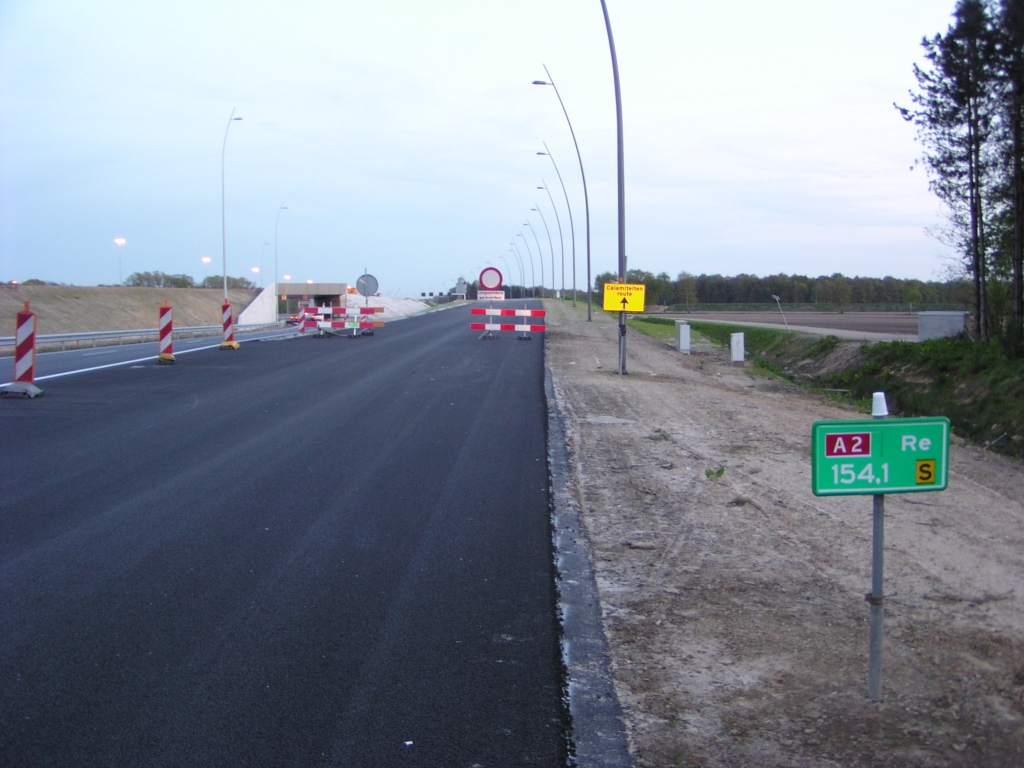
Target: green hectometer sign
{"type": "Point", "coordinates": [879, 456]}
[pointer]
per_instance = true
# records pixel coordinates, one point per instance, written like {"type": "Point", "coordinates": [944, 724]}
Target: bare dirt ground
{"type": "Point", "coordinates": [734, 605]}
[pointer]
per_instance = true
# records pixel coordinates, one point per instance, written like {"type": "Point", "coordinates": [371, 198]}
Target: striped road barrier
{"type": "Point", "coordinates": [24, 357]}
{"type": "Point", "coordinates": [166, 325]}
{"type": "Point", "coordinates": [229, 327]}
{"type": "Point", "coordinates": [489, 328]}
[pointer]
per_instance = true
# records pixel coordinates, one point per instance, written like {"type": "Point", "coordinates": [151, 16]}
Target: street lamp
{"type": "Point", "coordinates": [540, 256]}
{"type": "Point", "coordinates": [572, 229]}
{"type": "Point", "coordinates": [223, 220]}
{"type": "Point", "coordinates": [522, 268]}
{"type": "Point", "coordinates": [119, 242]}
{"type": "Point", "coordinates": [276, 222]}
{"type": "Point", "coordinates": [586, 200]}
{"type": "Point", "coordinates": [533, 277]}
{"type": "Point", "coordinates": [550, 246]}
{"type": "Point", "coordinates": [256, 271]}
{"type": "Point", "coordinates": [287, 277]}
{"type": "Point", "coordinates": [779, 302]}
{"type": "Point", "coordinates": [206, 268]}
{"type": "Point", "coordinates": [508, 269]}
{"type": "Point", "coordinates": [622, 184]}
{"type": "Point", "coordinates": [561, 240]}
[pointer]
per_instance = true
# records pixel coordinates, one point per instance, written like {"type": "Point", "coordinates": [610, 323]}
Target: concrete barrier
{"type": "Point", "coordinates": [940, 325]}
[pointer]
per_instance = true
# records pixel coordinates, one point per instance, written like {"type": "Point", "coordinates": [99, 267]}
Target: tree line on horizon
{"type": "Point", "coordinates": [690, 291]}
{"type": "Point", "coordinates": [158, 279]}
{"type": "Point", "coordinates": [969, 115]}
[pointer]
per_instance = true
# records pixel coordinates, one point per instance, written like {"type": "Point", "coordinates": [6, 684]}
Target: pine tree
{"type": "Point", "coordinates": [954, 118]}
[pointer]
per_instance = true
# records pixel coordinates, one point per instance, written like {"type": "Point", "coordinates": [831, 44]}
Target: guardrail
{"type": "Point", "coordinates": [138, 335]}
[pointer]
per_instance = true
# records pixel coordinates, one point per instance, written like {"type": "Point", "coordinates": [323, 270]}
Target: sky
{"type": "Point", "coordinates": [402, 137]}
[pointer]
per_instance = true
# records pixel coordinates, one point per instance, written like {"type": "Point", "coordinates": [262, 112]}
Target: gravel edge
{"type": "Point", "coordinates": [597, 733]}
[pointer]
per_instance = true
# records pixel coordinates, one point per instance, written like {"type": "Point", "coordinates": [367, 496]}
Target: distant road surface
{"type": "Point", "coordinates": [307, 552]}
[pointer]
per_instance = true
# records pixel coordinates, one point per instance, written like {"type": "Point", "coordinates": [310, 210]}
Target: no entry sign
{"type": "Point", "coordinates": [879, 456]}
{"type": "Point", "coordinates": [490, 279]}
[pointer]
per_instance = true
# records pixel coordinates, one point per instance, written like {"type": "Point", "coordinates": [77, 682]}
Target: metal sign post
{"type": "Point", "coordinates": [875, 457]}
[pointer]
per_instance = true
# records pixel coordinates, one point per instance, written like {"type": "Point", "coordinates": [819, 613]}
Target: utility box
{"type": "Point", "coordinates": [940, 325]}
{"type": "Point", "coordinates": [683, 336]}
{"type": "Point", "coordinates": [736, 347]}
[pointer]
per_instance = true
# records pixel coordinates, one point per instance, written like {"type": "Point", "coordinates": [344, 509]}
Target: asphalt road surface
{"type": "Point", "coordinates": [305, 552]}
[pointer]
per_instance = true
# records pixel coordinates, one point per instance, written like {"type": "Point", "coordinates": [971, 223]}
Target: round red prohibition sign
{"type": "Point", "coordinates": [490, 279]}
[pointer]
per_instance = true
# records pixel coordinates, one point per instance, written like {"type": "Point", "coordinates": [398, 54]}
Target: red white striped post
{"type": "Point", "coordinates": [229, 327]}
{"type": "Point", "coordinates": [24, 357]}
{"type": "Point", "coordinates": [166, 348]}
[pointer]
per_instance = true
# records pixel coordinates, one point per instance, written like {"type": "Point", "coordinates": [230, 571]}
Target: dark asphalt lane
{"type": "Point", "coordinates": [61, 363]}
{"type": "Point", "coordinates": [306, 552]}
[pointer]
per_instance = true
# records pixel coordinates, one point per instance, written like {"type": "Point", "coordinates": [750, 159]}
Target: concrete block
{"type": "Point", "coordinates": [683, 336]}
{"type": "Point", "coordinates": [939, 325]}
{"type": "Point", "coordinates": [736, 347]}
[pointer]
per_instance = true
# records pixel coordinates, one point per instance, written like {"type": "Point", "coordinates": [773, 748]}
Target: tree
{"type": "Point", "coordinates": [686, 289]}
{"type": "Point", "coordinates": [159, 280]}
{"type": "Point", "coordinates": [233, 282]}
{"type": "Point", "coordinates": [1010, 68]}
{"type": "Point", "coordinates": [954, 118]}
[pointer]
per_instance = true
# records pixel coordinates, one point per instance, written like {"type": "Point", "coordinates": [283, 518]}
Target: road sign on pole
{"type": "Point", "coordinates": [624, 297]}
{"type": "Point", "coordinates": [868, 457]}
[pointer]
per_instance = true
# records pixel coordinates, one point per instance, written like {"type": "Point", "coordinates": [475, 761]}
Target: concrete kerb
{"type": "Point", "coordinates": [597, 734]}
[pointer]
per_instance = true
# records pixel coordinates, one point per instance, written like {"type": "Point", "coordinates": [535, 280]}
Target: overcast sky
{"type": "Point", "coordinates": [402, 137]}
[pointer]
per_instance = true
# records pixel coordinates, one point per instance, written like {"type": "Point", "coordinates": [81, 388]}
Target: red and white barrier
{"type": "Point", "coordinates": [331, 311]}
{"type": "Point", "coordinates": [506, 327]}
{"type": "Point", "coordinates": [166, 347]}
{"type": "Point", "coordinates": [331, 324]}
{"type": "Point", "coordinates": [229, 327]}
{"type": "Point", "coordinates": [24, 357]}
{"type": "Point", "coordinates": [508, 312]}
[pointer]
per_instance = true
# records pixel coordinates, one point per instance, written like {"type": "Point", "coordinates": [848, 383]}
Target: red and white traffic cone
{"type": "Point", "coordinates": [166, 348]}
{"type": "Point", "coordinates": [24, 357]}
{"type": "Point", "coordinates": [229, 327]}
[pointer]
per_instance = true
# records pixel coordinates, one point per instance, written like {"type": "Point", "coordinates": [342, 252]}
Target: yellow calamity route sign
{"type": "Point", "coordinates": [623, 297]}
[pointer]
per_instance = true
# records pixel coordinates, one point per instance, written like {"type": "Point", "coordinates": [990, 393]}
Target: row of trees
{"type": "Point", "coordinates": [159, 279]}
{"type": "Point", "coordinates": [691, 291]}
{"type": "Point", "coordinates": [969, 114]}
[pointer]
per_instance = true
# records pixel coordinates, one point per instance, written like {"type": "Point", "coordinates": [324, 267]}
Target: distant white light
{"type": "Point", "coordinates": [119, 241]}
{"type": "Point", "coordinates": [255, 269]}
{"type": "Point", "coordinates": [309, 282]}
{"type": "Point", "coordinates": [206, 259]}
{"type": "Point", "coordinates": [287, 277]}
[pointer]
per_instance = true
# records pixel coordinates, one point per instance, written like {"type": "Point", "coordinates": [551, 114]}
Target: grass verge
{"type": "Point", "coordinates": [975, 385]}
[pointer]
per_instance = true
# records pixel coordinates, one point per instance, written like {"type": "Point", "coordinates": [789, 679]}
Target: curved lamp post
{"type": "Point", "coordinates": [586, 200]}
{"type": "Point", "coordinates": [508, 269]}
{"type": "Point", "coordinates": [622, 185]}
{"type": "Point", "coordinates": [561, 240]}
{"type": "Point", "coordinates": [540, 255]}
{"type": "Point", "coordinates": [551, 247]}
{"type": "Point", "coordinates": [533, 276]}
{"type": "Point", "coordinates": [522, 261]}
{"type": "Point", "coordinates": [520, 269]}
{"type": "Point", "coordinates": [572, 228]}
{"type": "Point", "coordinates": [223, 227]}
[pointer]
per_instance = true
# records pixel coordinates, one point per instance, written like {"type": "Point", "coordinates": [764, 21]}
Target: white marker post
{"type": "Point", "coordinates": [876, 598]}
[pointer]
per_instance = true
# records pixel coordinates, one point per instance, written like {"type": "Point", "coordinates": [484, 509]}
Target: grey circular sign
{"type": "Point", "coordinates": [366, 285]}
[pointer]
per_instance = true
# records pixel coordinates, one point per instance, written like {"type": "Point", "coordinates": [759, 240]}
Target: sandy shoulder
{"type": "Point", "coordinates": [735, 606]}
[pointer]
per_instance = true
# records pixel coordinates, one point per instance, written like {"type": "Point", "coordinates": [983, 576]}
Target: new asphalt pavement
{"type": "Point", "coordinates": [307, 552]}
